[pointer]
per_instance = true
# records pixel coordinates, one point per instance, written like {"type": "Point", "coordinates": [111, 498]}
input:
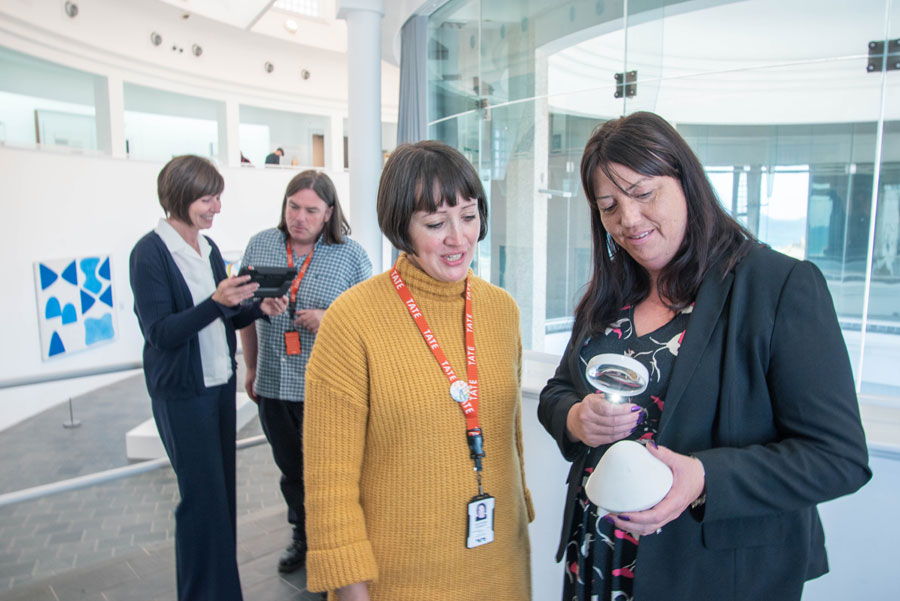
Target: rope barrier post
{"type": "Point", "coordinates": [72, 423]}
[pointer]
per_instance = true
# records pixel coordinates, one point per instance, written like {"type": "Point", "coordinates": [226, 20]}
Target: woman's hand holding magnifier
{"type": "Point", "coordinates": [595, 421]}
{"type": "Point", "coordinates": [605, 417]}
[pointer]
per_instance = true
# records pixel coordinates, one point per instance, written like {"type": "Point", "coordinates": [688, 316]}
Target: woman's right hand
{"type": "Point", "coordinates": [231, 291]}
{"type": "Point", "coordinates": [595, 421]}
{"type": "Point", "coordinates": [358, 591]}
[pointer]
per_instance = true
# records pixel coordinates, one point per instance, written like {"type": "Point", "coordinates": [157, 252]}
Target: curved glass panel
{"type": "Point", "coordinates": [788, 125]}
{"type": "Point", "coordinates": [453, 65]}
{"type": "Point", "coordinates": [880, 350]}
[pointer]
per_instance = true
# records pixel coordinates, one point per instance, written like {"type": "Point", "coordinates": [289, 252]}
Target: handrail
{"type": "Point", "coordinates": [66, 375]}
{"type": "Point", "coordinates": [77, 373]}
{"type": "Point", "coordinates": [36, 492]}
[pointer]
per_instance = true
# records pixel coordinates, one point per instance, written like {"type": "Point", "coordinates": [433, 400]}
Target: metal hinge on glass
{"type": "Point", "coordinates": [626, 84]}
{"type": "Point", "coordinates": [881, 60]}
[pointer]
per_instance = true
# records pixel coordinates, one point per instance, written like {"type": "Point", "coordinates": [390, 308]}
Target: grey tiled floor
{"type": "Point", "coordinates": [114, 541]}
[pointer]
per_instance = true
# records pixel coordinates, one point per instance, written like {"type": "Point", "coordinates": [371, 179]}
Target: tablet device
{"type": "Point", "coordinates": [273, 281]}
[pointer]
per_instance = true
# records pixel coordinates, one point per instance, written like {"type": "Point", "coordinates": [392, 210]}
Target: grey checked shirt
{"type": "Point", "coordinates": [333, 269]}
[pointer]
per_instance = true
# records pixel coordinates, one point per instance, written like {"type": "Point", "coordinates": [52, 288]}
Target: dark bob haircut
{"type": "Point", "coordinates": [422, 177]}
{"type": "Point", "coordinates": [647, 144]}
{"type": "Point", "coordinates": [185, 179]}
{"type": "Point", "coordinates": [336, 227]}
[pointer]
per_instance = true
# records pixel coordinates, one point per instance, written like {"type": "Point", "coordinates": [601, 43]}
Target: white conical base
{"type": "Point", "coordinates": [628, 478]}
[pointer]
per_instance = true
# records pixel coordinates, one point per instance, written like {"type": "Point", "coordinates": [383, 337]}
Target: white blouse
{"type": "Point", "coordinates": [215, 358]}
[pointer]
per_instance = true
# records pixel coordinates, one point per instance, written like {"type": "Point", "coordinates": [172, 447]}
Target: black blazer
{"type": "Point", "coordinates": [170, 322]}
{"type": "Point", "coordinates": [762, 393]}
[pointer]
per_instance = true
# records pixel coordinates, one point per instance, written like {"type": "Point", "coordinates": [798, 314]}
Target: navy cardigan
{"type": "Point", "coordinates": [170, 322]}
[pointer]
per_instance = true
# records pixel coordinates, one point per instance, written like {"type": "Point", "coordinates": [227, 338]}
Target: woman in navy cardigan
{"type": "Point", "coordinates": [750, 402]}
{"type": "Point", "coordinates": [188, 310]}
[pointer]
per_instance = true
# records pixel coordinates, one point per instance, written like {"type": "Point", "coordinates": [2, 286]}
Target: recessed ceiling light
{"type": "Point", "coordinates": [291, 25]}
{"type": "Point", "coordinates": [269, 67]}
{"type": "Point", "coordinates": [71, 9]}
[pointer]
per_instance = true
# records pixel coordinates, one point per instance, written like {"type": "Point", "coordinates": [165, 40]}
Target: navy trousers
{"type": "Point", "coordinates": [282, 422]}
{"type": "Point", "coordinates": [199, 436]}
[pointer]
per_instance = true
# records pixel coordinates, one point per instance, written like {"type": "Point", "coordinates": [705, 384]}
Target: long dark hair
{"type": "Point", "coordinates": [646, 143]}
{"type": "Point", "coordinates": [337, 226]}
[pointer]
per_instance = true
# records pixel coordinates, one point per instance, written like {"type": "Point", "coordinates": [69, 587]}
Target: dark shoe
{"type": "Point", "coordinates": [293, 557]}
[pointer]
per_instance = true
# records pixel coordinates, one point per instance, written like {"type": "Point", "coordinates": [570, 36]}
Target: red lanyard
{"type": "Point", "coordinates": [295, 285]}
{"type": "Point", "coordinates": [466, 396]}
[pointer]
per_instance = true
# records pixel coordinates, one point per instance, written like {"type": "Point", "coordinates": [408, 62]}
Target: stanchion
{"type": "Point", "coordinates": [72, 423]}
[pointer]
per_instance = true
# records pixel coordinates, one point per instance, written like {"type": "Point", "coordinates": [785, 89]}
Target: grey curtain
{"type": "Point", "coordinates": [412, 124]}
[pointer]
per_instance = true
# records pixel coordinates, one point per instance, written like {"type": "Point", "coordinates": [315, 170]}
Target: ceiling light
{"type": "Point", "coordinates": [71, 9]}
{"type": "Point", "coordinates": [304, 74]}
{"type": "Point", "coordinates": [197, 50]}
{"type": "Point", "coordinates": [269, 67]}
{"type": "Point", "coordinates": [155, 39]}
{"type": "Point", "coordinates": [291, 25]}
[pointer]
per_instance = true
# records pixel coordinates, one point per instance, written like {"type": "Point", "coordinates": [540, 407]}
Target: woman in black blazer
{"type": "Point", "coordinates": [188, 310]}
{"type": "Point", "coordinates": [751, 401]}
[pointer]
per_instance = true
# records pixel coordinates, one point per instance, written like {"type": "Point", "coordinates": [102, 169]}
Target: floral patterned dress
{"type": "Point", "coordinates": [601, 559]}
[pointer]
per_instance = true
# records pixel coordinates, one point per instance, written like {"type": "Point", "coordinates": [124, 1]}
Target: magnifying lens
{"type": "Point", "coordinates": [619, 376]}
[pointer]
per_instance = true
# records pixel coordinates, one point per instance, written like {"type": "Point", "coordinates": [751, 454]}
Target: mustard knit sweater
{"type": "Point", "coordinates": [387, 469]}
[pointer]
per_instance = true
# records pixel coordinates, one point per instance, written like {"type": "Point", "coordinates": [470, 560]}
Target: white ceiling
{"type": "Point", "coordinates": [239, 13]}
{"type": "Point", "coordinates": [325, 32]}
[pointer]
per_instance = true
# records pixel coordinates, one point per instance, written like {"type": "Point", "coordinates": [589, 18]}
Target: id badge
{"type": "Point", "coordinates": [481, 521]}
{"type": "Point", "coordinates": [292, 342]}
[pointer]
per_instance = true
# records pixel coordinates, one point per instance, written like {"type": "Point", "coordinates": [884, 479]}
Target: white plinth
{"type": "Point", "coordinates": [143, 442]}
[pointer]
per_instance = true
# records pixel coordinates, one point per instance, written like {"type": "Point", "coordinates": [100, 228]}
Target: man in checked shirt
{"type": "Point", "coordinates": [311, 237]}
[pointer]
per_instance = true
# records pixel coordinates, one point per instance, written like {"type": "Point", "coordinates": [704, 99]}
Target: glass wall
{"type": "Point", "coordinates": [50, 106]}
{"type": "Point", "coordinates": [303, 137]}
{"type": "Point", "coordinates": [161, 124]}
{"type": "Point", "coordinates": [46, 104]}
{"type": "Point", "coordinates": [798, 135]}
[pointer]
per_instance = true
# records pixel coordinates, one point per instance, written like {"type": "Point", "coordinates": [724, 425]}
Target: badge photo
{"type": "Point", "coordinates": [481, 521]}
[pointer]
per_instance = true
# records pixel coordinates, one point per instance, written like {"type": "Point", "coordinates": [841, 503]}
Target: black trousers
{"type": "Point", "coordinates": [199, 436]}
{"type": "Point", "coordinates": [282, 422]}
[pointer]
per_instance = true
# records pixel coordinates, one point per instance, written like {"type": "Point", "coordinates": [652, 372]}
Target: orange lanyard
{"type": "Point", "coordinates": [295, 285]}
{"type": "Point", "coordinates": [466, 394]}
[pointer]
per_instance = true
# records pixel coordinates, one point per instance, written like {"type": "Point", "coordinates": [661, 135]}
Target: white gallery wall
{"type": "Point", "coordinates": [66, 205]}
{"type": "Point", "coordinates": [57, 206]}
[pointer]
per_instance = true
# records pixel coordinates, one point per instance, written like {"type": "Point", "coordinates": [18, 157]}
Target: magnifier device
{"type": "Point", "coordinates": [620, 377]}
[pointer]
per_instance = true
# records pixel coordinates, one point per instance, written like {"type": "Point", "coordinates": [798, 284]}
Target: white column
{"type": "Point", "coordinates": [109, 115]}
{"type": "Point", "coordinates": [364, 124]}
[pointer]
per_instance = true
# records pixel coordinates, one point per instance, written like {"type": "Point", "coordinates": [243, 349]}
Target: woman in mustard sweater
{"type": "Point", "coordinates": [412, 426]}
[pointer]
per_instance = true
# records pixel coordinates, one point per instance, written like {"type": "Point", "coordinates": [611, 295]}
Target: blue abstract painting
{"type": "Point", "coordinates": [75, 304]}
